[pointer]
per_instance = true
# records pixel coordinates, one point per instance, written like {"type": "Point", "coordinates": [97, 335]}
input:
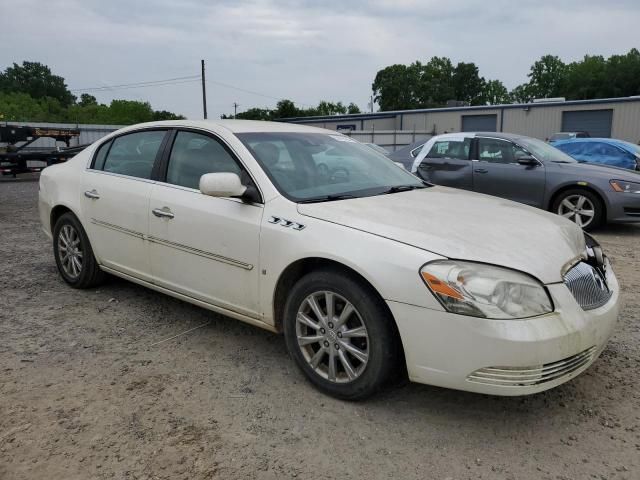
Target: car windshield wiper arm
{"type": "Point", "coordinates": [403, 188]}
{"type": "Point", "coordinates": [328, 198]}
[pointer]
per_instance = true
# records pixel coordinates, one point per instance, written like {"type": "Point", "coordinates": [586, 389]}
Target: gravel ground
{"type": "Point", "coordinates": [86, 391]}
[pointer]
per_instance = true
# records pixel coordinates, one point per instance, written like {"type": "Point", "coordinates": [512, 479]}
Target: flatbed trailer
{"type": "Point", "coordinates": [15, 157]}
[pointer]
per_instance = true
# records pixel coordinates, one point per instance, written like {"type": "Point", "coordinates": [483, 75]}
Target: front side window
{"type": "Point", "coordinates": [133, 154]}
{"type": "Point", "coordinates": [457, 149]}
{"type": "Point", "coordinates": [543, 151]}
{"type": "Point", "coordinates": [499, 151]}
{"type": "Point", "coordinates": [193, 155]}
{"type": "Point", "coordinates": [320, 167]}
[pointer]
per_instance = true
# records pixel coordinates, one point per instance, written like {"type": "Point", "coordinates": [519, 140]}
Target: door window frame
{"type": "Point", "coordinates": [450, 141]}
{"type": "Point", "coordinates": [163, 162]}
{"type": "Point", "coordinates": [154, 169]}
{"type": "Point", "coordinates": [476, 151]}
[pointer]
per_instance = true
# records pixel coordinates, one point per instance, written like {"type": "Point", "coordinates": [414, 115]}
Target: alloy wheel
{"type": "Point", "coordinates": [332, 337]}
{"type": "Point", "coordinates": [70, 251]}
{"type": "Point", "coordinates": [577, 208]}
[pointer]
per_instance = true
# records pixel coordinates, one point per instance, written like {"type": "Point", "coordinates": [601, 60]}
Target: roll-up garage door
{"type": "Point", "coordinates": [596, 122]}
{"type": "Point", "coordinates": [479, 123]}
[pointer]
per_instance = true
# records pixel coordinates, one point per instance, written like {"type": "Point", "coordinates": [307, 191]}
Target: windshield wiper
{"type": "Point", "coordinates": [328, 198]}
{"type": "Point", "coordinates": [403, 188]}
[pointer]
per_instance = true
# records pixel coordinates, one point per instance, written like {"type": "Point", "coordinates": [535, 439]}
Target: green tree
{"type": "Point", "coordinates": [623, 75]}
{"type": "Point", "coordinates": [468, 85]}
{"type": "Point", "coordinates": [20, 107]}
{"type": "Point", "coordinates": [353, 108]}
{"type": "Point", "coordinates": [36, 80]}
{"type": "Point", "coordinates": [165, 115]}
{"type": "Point", "coordinates": [286, 109]}
{"type": "Point", "coordinates": [435, 85]}
{"type": "Point", "coordinates": [494, 93]}
{"type": "Point", "coordinates": [253, 114]}
{"type": "Point", "coordinates": [521, 94]}
{"type": "Point", "coordinates": [86, 100]}
{"type": "Point", "coordinates": [395, 86]}
{"type": "Point", "coordinates": [547, 77]}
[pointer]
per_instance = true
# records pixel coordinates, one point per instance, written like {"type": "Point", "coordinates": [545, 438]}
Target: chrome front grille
{"type": "Point", "coordinates": [588, 286]}
{"type": "Point", "coordinates": [534, 375]}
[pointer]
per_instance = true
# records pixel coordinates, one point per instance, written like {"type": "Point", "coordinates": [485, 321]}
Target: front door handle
{"type": "Point", "coordinates": [481, 170]}
{"type": "Point", "coordinates": [92, 194]}
{"type": "Point", "coordinates": [163, 212]}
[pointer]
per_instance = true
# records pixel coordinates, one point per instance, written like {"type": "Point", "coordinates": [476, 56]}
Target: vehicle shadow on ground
{"type": "Point", "coordinates": [620, 229]}
{"type": "Point", "coordinates": [448, 405]}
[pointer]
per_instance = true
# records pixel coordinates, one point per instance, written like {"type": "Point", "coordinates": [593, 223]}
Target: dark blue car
{"type": "Point", "coordinates": [605, 151]}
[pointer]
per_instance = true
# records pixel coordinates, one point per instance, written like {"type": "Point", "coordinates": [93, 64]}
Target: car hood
{"type": "Point", "coordinates": [608, 172]}
{"type": "Point", "coordinates": [465, 226]}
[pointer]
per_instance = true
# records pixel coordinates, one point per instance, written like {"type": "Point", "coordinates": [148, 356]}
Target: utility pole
{"type": "Point", "coordinates": [204, 92]}
{"type": "Point", "coordinates": [235, 109]}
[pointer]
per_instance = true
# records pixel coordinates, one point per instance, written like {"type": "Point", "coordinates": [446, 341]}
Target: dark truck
{"type": "Point", "coordinates": [16, 158]}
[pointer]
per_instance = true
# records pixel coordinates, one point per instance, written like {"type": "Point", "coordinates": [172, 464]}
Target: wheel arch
{"type": "Point", "coordinates": [57, 212]}
{"type": "Point", "coordinates": [573, 186]}
{"type": "Point", "coordinates": [299, 268]}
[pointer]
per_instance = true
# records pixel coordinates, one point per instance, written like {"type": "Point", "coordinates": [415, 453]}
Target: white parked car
{"type": "Point", "coordinates": [364, 273]}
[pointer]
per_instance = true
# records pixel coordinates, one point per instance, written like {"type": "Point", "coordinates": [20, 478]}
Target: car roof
{"type": "Point", "coordinates": [611, 141]}
{"type": "Point", "coordinates": [237, 126]}
{"type": "Point", "coordinates": [500, 135]}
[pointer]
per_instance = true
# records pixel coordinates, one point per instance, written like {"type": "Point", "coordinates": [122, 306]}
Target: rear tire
{"type": "Point", "coordinates": [346, 323]}
{"type": "Point", "coordinates": [581, 206]}
{"type": "Point", "coordinates": [73, 253]}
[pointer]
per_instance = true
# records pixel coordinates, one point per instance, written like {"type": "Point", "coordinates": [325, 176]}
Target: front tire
{"type": "Point", "coordinates": [340, 334]}
{"type": "Point", "coordinates": [73, 253]}
{"type": "Point", "coordinates": [581, 206]}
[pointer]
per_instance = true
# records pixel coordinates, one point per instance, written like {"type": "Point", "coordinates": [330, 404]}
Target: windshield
{"type": "Point", "coordinates": [320, 167]}
{"type": "Point", "coordinates": [544, 152]}
{"type": "Point", "coordinates": [560, 136]}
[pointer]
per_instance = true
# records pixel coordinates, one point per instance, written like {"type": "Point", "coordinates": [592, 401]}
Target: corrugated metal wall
{"type": "Point", "coordinates": [534, 120]}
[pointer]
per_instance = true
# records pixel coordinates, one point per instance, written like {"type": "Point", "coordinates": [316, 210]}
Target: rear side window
{"type": "Point", "coordinates": [193, 155]}
{"type": "Point", "coordinates": [451, 149]}
{"type": "Point", "coordinates": [101, 155]}
{"type": "Point", "coordinates": [133, 154]}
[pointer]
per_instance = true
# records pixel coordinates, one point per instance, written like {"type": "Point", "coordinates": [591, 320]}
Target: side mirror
{"type": "Point", "coordinates": [529, 161]}
{"type": "Point", "coordinates": [222, 185]}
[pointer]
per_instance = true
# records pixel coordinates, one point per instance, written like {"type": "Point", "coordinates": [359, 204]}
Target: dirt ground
{"type": "Point", "coordinates": [86, 391]}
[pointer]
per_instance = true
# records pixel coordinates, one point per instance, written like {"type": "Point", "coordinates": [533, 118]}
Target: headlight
{"type": "Point", "coordinates": [485, 291]}
{"type": "Point", "coordinates": [625, 187]}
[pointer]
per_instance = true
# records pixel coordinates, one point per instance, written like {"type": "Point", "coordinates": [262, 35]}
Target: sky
{"type": "Point", "coordinates": [259, 51]}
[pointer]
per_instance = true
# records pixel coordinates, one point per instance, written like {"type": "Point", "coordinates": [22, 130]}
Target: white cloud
{"type": "Point", "coordinates": [303, 50]}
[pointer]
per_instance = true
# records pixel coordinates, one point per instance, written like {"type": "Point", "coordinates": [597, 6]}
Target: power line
{"type": "Point", "coordinates": [177, 81]}
{"type": "Point", "coordinates": [253, 93]}
{"type": "Point", "coordinates": [148, 83]}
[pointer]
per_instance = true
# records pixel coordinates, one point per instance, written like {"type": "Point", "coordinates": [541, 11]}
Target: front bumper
{"type": "Point", "coordinates": [623, 208]}
{"type": "Point", "coordinates": [467, 353]}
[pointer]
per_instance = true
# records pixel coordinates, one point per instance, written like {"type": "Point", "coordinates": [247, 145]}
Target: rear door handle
{"type": "Point", "coordinates": [481, 170]}
{"type": "Point", "coordinates": [92, 194]}
{"type": "Point", "coordinates": [163, 212]}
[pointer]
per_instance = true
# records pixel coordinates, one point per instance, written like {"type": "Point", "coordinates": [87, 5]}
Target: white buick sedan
{"type": "Point", "coordinates": [369, 272]}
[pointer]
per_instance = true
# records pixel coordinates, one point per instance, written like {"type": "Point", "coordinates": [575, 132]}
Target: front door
{"type": "Point", "coordinates": [447, 163]}
{"type": "Point", "coordinates": [116, 200]}
{"type": "Point", "coordinates": [496, 171]}
{"type": "Point", "coordinates": [201, 246]}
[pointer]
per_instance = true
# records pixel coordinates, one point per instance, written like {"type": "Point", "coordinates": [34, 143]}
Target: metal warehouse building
{"type": "Point", "coordinates": [612, 117]}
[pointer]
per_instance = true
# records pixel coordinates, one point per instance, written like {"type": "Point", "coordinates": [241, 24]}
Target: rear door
{"type": "Point", "coordinates": [447, 163]}
{"type": "Point", "coordinates": [116, 200]}
{"type": "Point", "coordinates": [496, 171]}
